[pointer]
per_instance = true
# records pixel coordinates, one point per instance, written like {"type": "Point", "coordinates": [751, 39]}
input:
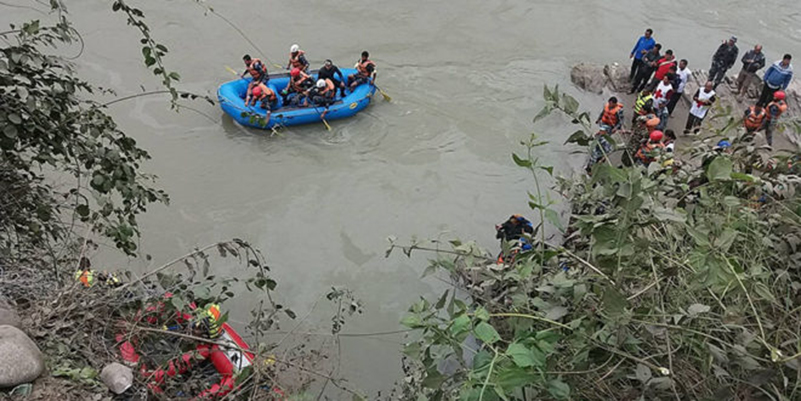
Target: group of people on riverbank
{"type": "Point", "coordinates": [303, 90]}
{"type": "Point", "coordinates": [660, 81]}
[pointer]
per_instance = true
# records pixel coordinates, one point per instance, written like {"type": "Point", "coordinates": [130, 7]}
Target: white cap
{"type": "Point", "coordinates": [294, 48]}
{"type": "Point", "coordinates": [320, 83]}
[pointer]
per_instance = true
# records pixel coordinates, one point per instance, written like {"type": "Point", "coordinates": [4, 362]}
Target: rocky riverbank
{"type": "Point", "coordinates": [612, 80]}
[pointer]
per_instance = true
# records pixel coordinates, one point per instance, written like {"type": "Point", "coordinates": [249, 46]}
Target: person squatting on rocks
{"type": "Point", "coordinates": [753, 61]}
{"type": "Point", "coordinates": [774, 110]}
{"type": "Point", "coordinates": [651, 150]}
{"type": "Point", "coordinates": [723, 59]}
{"type": "Point", "coordinates": [610, 121]}
{"type": "Point", "coordinates": [754, 118]}
{"type": "Point", "coordinates": [777, 77]}
{"type": "Point", "coordinates": [644, 44]}
{"type": "Point", "coordinates": [702, 101]}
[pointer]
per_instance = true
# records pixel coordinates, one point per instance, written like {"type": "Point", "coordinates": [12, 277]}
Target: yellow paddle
{"type": "Point", "coordinates": [232, 71]}
{"type": "Point", "coordinates": [386, 97]}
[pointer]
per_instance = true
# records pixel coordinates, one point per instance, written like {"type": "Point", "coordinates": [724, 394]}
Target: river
{"type": "Point", "coordinates": [466, 78]}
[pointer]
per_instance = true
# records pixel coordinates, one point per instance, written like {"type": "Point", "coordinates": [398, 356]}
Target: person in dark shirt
{"type": "Point", "coordinates": [650, 61]}
{"type": "Point", "coordinates": [513, 228]}
{"type": "Point", "coordinates": [328, 71]}
{"type": "Point", "coordinates": [724, 58]}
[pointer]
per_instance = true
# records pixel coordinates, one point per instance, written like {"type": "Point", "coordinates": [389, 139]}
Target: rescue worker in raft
{"type": "Point", "coordinates": [774, 110]}
{"type": "Point", "coordinates": [256, 69]}
{"type": "Point", "coordinates": [261, 93]}
{"type": "Point", "coordinates": [322, 94]}
{"type": "Point", "coordinates": [365, 68]}
{"type": "Point", "coordinates": [298, 83]}
{"type": "Point", "coordinates": [611, 118]}
{"type": "Point", "coordinates": [329, 71]}
{"type": "Point", "coordinates": [754, 118]}
{"type": "Point", "coordinates": [297, 59]}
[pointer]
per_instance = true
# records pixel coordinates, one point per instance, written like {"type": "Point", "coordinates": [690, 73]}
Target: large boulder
{"type": "Point", "coordinates": [589, 77]}
{"type": "Point", "coordinates": [8, 314]}
{"type": "Point", "coordinates": [20, 358]}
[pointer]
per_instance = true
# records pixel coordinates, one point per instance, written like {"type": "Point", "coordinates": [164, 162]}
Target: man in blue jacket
{"type": "Point", "coordinates": [778, 76]}
{"type": "Point", "coordinates": [643, 46]}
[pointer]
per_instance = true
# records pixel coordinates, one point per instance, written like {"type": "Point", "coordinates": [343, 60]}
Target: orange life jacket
{"type": "Point", "coordinates": [252, 69]}
{"type": "Point", "coordinates": [362, 67]}
{"type": "Point", "coordinates": [266, 92]}
{"type": "Point", "coordinates": [610, 114]}
{"type": "Point", "coordinates": [644, 153]}
{"type": "Point", "coordinates": [753, 121]}
{"type": "Point", "coordinates": [329, 89]}
{"type": "Point", "coordinates": [780, 104]}
{"type": "Point", "coordinates": [295, 60]}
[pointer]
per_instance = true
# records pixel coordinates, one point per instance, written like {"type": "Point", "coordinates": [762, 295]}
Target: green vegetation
{"type": "Point", "coordinates": [669, 285]}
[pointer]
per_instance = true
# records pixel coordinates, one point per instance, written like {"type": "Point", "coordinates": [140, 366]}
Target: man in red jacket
{"type": "Point", "coordinates": [663, 67]}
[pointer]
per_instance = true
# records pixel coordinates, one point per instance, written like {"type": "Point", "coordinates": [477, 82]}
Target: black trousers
{"type": "Point", "coordinates": [674, 100]}
{"type": "Point", "coordinates": [641, 80]}
{"type": "Point", "coordinates": [716, 74]}
{"type": "Point", "coordinates": [767, 95]}
{"type": "Point", "coordinates": [636, 64]}
{"type": "Point", "coordinates": [693, 123]}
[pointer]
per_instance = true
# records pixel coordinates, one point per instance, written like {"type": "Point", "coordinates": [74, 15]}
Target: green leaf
{"type": "Point", "coordinates": [570, 104]}
{"type": "Point", "coordinates": [552, 217]}
{"type": "Point", "coordinates": [643, 373]}
{"type": "Point", "coordinates": [764, 292]}
{"type": "Point", "coordinates": [15, 118]}
{"type": "Point", "coordinates": [523, 357]}
{"type": "Point", "coordinates": [482, 314]}
{"type": "Point", "coordinates": [486, 333]}
{"type": "Point", "coordinates": [665, 214]}
{"type": "Point", "coordinates": [726, 239]}
{"type": "Point", "coordinates": [521, 162]}
{"type": "Point", "coordinates": [543, 113]}
{"type": "Point", "coordinates": [701, 239]}
{"type": "Point", "coordinates": [742, 177]}
{"type": "Point", "coordinates": [441, 303]}
{"type": "Point", "coordinates": [614, 302]}
{"type": "Point", "coordinates": [412, 321]}
{"type": "Point", "coordinates": [720, 169]}
{"type": "Point", "coordinates": [579, 138]}
{"type": "Point", "coordinates": [514, 378]}
{"type": "Point", "coordinates": [559, 389]}
{"type": "Point", "coordinates": [460, 324]}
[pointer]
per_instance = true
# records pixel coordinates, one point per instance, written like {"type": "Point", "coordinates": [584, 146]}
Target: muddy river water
{"type": "Point", "coordinates": [465, 77]}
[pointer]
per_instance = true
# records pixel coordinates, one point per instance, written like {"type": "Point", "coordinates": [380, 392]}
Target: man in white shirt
{"type": "Point", "coordinates": [683, 74]}
{"type": "Point", "coordinates": [702, 101]}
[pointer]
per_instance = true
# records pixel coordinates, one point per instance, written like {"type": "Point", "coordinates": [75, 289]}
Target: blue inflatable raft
{"type": "Point", "coordinates": [232, 100]}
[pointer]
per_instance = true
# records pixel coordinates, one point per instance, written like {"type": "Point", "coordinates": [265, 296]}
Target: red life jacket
{"type": "Point", "coordinates": [362, 67]}
{"type": "Point", "coordinates": [753, 121]}
{"type": "Point", "coordinates": [610, 115]}
{"type": "Point", "coordinates": [255, 73]}
{"type": "Point", "coordinates": [295, 60]}
{"type": "Point", "coordinates": [780, 104]}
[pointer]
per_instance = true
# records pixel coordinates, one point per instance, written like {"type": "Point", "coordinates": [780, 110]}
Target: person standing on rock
{"type": "Point", "coordinates": [753, 61]}
{"type": "Point", "coordinates": [663, 67]}
{"type": "Point", "coordinates": [650, 61]}
{"type": "Point", "coordinates": [644, 44]}
{"type": "Point", "coordinates": [774, 110]}
{"type": "Point", "coordinates": [664, 91]}
{"type": "Point", "coordinates": [724, 58]}
{"type": "Point", "coordinates": [683, 75]}
{"type": "Point", "coordinates": [702, 101]}
{"type": "Point", "coordinates": [778, 76]}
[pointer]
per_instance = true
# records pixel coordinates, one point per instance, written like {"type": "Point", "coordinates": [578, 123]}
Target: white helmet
{"type": "Point", "coordinates": [294, 48]}
{"type": "Point", "coordinates": [321, 83]}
